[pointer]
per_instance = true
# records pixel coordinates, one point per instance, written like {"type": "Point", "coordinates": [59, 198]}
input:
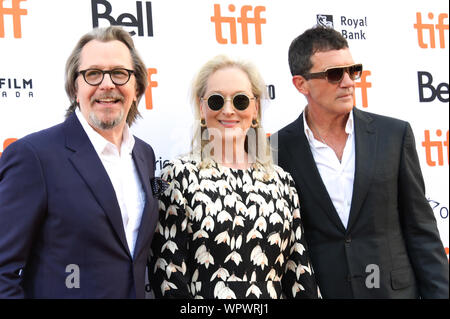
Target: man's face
{"type": "Point", "coordinates": [105, 106]}
{"type": "Point", "coordinates": [334, 98]}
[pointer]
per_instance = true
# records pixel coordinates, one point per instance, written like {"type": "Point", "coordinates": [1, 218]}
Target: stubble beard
{"type": "Point", "coordinates": [106, 124]}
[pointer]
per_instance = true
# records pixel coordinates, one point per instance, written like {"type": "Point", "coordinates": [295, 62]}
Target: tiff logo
{"type": "Point", "coordinates": [15, 11]}
{"type": "Point", "coordinates": [440, 26]}
{"type": "Point", "coordinates": [244, 20]}
{"type": "Point", "coordinates": [437, 144]}
{"type": "Point", "coordinates": [148, 91]}
{"type": "Point", "coordinates": [125, 19]}
{"type": "Point", "coordinates": [364, 86]}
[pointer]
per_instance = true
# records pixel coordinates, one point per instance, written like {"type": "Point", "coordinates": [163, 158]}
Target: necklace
{"type": "Point", "coordinates": [314, 128]}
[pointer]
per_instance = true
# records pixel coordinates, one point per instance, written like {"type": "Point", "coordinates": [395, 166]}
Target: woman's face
{"type": "Point", "coordinates": [229, 123]}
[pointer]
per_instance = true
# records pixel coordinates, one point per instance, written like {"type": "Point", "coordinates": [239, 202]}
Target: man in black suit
{"type": "Point", "coordinates": [370, 230]}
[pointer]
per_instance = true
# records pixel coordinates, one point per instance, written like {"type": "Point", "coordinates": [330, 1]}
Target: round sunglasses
{"type": "Point", "coordinates": [336, 73]}
{"type": "Point", "coordinates": [240, 101]}
{"type": "Point", "coordinates": [119, 76]}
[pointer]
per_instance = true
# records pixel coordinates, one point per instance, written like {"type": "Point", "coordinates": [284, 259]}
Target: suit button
{"type": "Point", "coordinates": [348, 240]}
{"type": "Point", "coordinates": [349, 278]}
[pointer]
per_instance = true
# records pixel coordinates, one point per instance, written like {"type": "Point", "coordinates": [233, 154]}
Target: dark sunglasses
{"type": "Point", "coordinates": [335, 74]}
{"type": "Point", "coordinates": [240, 101]}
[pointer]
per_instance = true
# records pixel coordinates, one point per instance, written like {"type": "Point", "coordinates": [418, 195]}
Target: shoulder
{"type": "Point", "coordinates": [44, 135]}
{"type": "Point", "coordinates": [280, 175]}
{"type": "Point", "coordinates": [31, 151]}
{"type": "Point", "coordinates": [180, 166]}
{"type": "Point", "coordinates": [379, 119]}
{"type": "Point", "coordinates": [41, 141]}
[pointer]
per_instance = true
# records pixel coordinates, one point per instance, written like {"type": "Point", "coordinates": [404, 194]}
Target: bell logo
{"type": "Point", "coordinates": [363, 85]}
{"type": "Point", "coordinates": [441, 91]}
{"type": "Point", "coordinates": [430, 27]}
{"type": "Point", "coordinates": [437, 144]}
{"type": "Point", "coordinates": [244, 20]}
{"type": "Point", "coordinates": [125, 19]}
{"type": "Point", "coordinates": [15, 11]}
{"type": "Point", "coordinates": [7, 142]}
{"type": "Point", "coordinates": [148, 92]}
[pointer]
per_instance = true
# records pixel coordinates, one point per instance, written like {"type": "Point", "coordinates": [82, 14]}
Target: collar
{"type": "Point", "coordinates": [349, 128]}
{"type": "Point", "coordinates": [102, 145]}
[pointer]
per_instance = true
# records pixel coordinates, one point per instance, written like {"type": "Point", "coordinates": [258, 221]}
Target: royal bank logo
{"type": "Point", "coordinates": [325, 20]}
{"type": "Point", "coordinates": [351, 27]}
{"type": "Point", "coordinates": [16, 87]}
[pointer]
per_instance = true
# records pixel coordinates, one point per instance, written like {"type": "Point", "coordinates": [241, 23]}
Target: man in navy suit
{"type": "Point", "coordinates": [370, 230]}
{"type": "Point", "coordinates": [77, 213]}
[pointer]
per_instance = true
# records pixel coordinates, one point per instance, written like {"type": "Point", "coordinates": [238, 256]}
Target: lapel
{"type": "Point", "coordinates": [366, 153]}
{"type": "Point", "coordinates": [306, 170]}
{"type": "Point", "coordinates": [145, 174]}
{"type": "Point", "coordinates": [89, 166]}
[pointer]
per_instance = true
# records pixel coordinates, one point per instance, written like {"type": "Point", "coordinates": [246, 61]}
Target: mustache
{"type": "Point", "coordinates": [111, 95]}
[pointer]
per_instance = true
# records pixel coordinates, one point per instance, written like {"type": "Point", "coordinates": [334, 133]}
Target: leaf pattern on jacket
{"type": "Point", "coordinates": [228, 233]}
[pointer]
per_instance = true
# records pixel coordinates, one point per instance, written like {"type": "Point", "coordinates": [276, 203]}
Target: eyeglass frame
{"type": "Point", "coordinates": [83, 73]}
{"type": "Point", "coordinates": [324, 74]}
{"type": "Point", "coordinates": [228, 99]}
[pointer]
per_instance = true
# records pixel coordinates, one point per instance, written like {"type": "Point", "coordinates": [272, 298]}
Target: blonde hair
{"type": "Point", "coordinates": [263, 158]}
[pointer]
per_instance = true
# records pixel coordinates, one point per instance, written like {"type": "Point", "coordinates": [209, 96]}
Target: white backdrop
{"type": "Point", "coordinates": [402, 44]}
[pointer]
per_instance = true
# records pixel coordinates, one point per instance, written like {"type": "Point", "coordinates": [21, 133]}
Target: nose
{"type": "Point", "coordinates": [107, 82]}
{"type": "Point", "coordinates": [228, 107]}
{"type": "Point", "coordinates": [346, 81]}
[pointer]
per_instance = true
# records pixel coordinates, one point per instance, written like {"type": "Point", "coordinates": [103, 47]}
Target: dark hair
{"type": "Point", "coordinates": [105, 35]}
{"type": "Point", "coordinates": [313, 40]}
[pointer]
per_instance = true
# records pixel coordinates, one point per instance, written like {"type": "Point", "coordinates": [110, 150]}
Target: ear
{"type": "Point", "coordinates": [257, 106]}
{"type": "Point", "coordinates": [300, 84]}
{"type": "Point", "coordinates": [202, 111]}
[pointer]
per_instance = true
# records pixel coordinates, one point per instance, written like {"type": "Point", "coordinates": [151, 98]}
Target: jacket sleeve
{"type": "Point", "coordinates": [424, 245]}
{"type": "Point", "coordinates": [22, 208]}
{"type": "Point", "coordinates": [299, 279]}
{"type": "Point", "coordinates": [168, 273]}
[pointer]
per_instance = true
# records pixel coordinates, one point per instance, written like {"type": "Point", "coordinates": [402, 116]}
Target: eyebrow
{"type": "Point", "coordinates": [101, 67]}
{"type": "Point", "coordinates": [222, 93]}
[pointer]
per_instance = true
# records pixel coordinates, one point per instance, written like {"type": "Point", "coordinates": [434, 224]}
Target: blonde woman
{"type": "Point", "coordinates": [229, 223]}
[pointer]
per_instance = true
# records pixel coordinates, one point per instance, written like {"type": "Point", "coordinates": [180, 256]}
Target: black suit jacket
{"type": "Point", "coordinates": [58, 210]}
{"type": "Point", "coordinates": [391, 226]}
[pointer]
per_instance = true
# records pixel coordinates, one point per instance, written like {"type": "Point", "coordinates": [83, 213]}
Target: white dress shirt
{"type": "Point", "coordinates": [123, 175]}
{"type": "Point", "coordinates": [338, 176]}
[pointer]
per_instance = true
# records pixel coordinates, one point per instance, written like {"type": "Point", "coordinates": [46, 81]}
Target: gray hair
{"type": "Point", "coordinates": [105, 35]}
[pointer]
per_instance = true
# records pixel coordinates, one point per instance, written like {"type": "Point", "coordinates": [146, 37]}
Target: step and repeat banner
{"type": "Point", "coordinates": [403, 45]}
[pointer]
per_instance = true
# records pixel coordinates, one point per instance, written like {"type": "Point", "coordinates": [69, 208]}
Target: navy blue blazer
{"type": "Point", "coordinates": [59, 218]}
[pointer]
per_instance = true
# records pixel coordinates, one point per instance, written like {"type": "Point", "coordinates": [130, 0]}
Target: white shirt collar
{"type": "Point", "coordinates": [349, 127]}
{"type": "Point", "coordinates": [102, 145]}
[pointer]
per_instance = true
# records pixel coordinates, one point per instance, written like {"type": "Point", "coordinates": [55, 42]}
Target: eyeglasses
{"type": "Point", "coordinates": [335, 74]}
{"type": "Point", "coordinates": [94, 77]}
{"type": "Point", "coordinates": [240, 101]}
